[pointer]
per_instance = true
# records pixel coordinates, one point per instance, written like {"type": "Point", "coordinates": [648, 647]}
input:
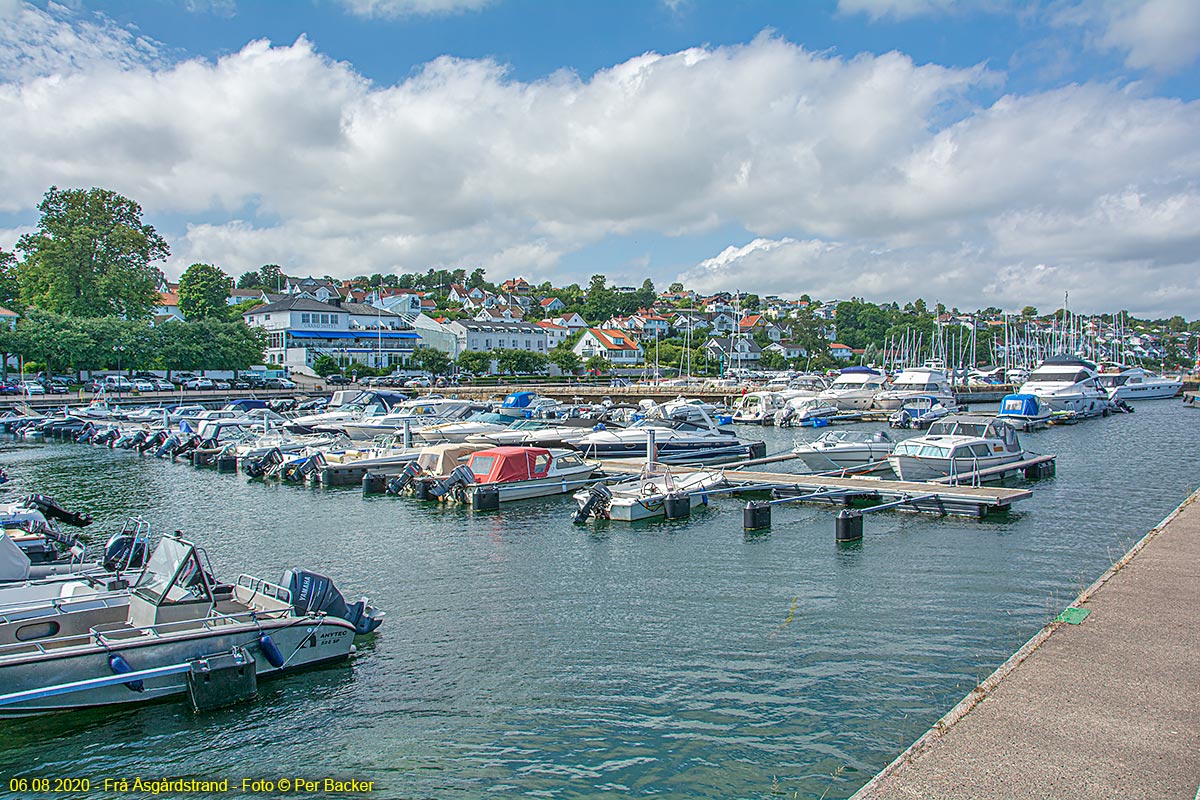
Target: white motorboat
{"type": "Point", "coordinates": [1068, 384]}
{"type": "Point", "coordinates": [537, 432]}
{"type": "Point", "coordinates": [1135, 383]}
{"type": "Point", "coordinates": [682, 431]}
{"type": "Point", "coordinates": [757, 408]}
{"type": "Point", "coordinates": [920, 411]}
{"type": "Point", "coordinates": [846, 450]}
{"type": "Point", "coordinates": [477, 424]}
{"type": "Point", "coordinates": [646, 496]}
{"type": "Point", "coordinates": [174, 621]}
{"type": "Point", "coordinates": [515, 473]}
{"type": "Point", "coordinates": [1024, 412]}
{"type": "Point", "coordinates": [801, 411]}
{"type": "Point", "coordinates": [804, 386]}
{"type": "Point", "coordinates": [415, 415]}
{"type": "Point", "coordinates": [366, 405]}
{"type": "Point", "coordinates": [956, 445]}
{"type": "Point", "coordinates": [855, 388]}
{"type": "Point", "coordinates": [917, 382]}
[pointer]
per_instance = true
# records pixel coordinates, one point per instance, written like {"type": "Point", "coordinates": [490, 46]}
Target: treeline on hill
{"type": "Point", "coordinates": [86, 287]}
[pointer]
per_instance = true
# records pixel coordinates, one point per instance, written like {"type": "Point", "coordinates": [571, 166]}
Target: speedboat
{"type": "Point", "coordinates": [917, 382]}
{"type": "Point", "coordinates": [956, 445]}
{"type": "Point", "coordinates": [32, 548]}
{"type": "Point", "coordinates": [366, 404]}
{"type": "Point", "coordinates": [855, 388]}
{"type": "Point", "coordinates": [645, 496]}
{"type": "Point", "coordinates": [415, 415]}
{"type": "Point", "coordinates": [1135, 383]}
{"type": "Point", "coordinates": [1024, 412]}
{"type": "Point", "coordinates": [805, 411]}
{"type": "Point", "coordinates": [515, 473]}
{"type": "Point", "coordinates": [846, 450]}
{"type": "Point", "coordinates": [682, 431]}
{"type": "Point", "coordinates": [757, 408]}
{"type": "Point", "coordinates": [920, 411]}
{"type": "Point", "coordinates": [478, 424]}
{"type": "Point", "coordinates": [175, 622]}
{"type": "Point", "coordinates": [1068, 384]}
{"type": "Point", "coordinates": [537, 432]}
{"type": "Point", "coordinates": [519, 405]}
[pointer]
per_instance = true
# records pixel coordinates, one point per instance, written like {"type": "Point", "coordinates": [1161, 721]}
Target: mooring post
{"type": "Point", "coordinates": [849, 526]}
{"type": "Point", "coordinates": [756, 516]}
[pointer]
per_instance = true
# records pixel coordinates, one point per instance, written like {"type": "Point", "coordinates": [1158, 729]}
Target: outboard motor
{"type": "Point", "coordinates": [313, 593]}
{"type": "Point", "coordinates": [106, 438]}
{"type": "Point", "coordinates": [299, 470]}
{"type": "Point", "coordinates": [86, 433]}
{"type": "Point", "coordinates": [257, 467]}
{"type": "Point", "coordinates": [399, 483]}
{"type": "Point", "coordinates": [188, 444]}
{"type": "Point", "coordinates": [783, 417]}
{"type": "Point", "coordinates": [50, 508]}
{"type": "Point", "coordinates": [152, 441]}
{"type": "Point", "coordinates": [124, 551]}
{"type": "Point", "coordinates": [460, 476]}
{"type": "Point", "coordinates": [597, 503]}
{"type": "Point", "coordinates": [169, 444]}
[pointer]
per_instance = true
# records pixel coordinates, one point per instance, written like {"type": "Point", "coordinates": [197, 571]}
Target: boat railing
{"type": "Point", "coordinates": [259, 586]}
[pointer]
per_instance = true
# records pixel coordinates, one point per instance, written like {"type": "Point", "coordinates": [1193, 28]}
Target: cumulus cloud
{"type": "Point", "coordinates": [874, 167]}
{"type": "Point", "coordinates": [392, 9]}
{"type": "Point", "coordinates": [1157, 35]}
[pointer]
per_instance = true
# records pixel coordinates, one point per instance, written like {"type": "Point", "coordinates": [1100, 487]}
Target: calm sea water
{"type": "Point", "coordinates": [524, 656]}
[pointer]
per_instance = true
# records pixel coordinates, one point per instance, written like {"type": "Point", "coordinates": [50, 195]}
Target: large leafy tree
{"type": "Point", "coordinates": [475, 361]}
{"type": "Point", "coordinates": [91, 256]}
{"type": "Point", "coordinates": [203, 292]}
{"type": "Point", "coordinates": [10, 284]}
{"type": "Point", "coordinates": [431, 360]}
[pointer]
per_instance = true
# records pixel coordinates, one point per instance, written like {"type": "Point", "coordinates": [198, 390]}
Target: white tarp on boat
{"type": "Point", "coordinates": [14, 564]}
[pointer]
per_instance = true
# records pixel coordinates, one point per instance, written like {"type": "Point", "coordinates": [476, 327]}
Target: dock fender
{"type": "Point", "coordinates": [119, 666]}
{"type": "Point", "coordinates": [270, 650]}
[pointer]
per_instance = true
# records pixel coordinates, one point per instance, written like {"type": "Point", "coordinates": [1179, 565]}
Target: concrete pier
{"type": "Point", "coordinates": [1105, 708]}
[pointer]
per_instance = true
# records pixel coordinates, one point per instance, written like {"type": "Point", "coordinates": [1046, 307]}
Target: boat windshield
{"type": "Point", "coordinates": [921, 450]}
{"type": "Point", "coordinates": [954, 427]}
{"type": "Point", "coordinates": [1058, 376]}
{"type": "Point", "coordinates": [173, 575]}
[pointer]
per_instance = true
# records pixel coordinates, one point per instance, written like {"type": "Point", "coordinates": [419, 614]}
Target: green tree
{"type": "Point", "coordinates": [772, 360]}
{"type": "Point", "coordinates": [91, 256]}
{"type": "Point", "coordinates": [565, 359]}
{"type": "Point", "coordinates": [10, 281]}
{"type": "Point", "coordinates": [326, 365]}
{"type": "Point", "coordinates": [270, 277]}
{"type": "Point", "coordinates": [250, 280]}
{"type": "Point", "coordinates": [475, 361]}
{"type": "Point", "coordinates": [1029, 312]}
{"type": "Point", "coordinates": [432, 360]}
{"type": "Point", "coordinates": [751, 302]}
{"type": "Point", "coordinates": [203, 291]}
{"type": "Point", "coordinates": [675, 287]}
{"type": "Point", "coordinates": [598, 364]}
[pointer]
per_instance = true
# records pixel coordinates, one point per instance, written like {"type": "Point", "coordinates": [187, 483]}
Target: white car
{"type": "Point", "coordinates": [198, 383]}
{"type": "Point", "coordinates": [163, 385]}
{"type": "Point", "coordinates": [33, 387]}
{"type": "Point", "coordinates": [143, 385]}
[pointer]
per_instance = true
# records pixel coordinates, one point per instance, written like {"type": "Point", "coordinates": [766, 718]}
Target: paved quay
{"type": "Point", "coordinates": [1107, 708]}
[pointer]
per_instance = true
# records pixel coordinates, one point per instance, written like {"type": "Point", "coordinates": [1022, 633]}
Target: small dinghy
{"type": "Point", "coordinates": [654, 493]}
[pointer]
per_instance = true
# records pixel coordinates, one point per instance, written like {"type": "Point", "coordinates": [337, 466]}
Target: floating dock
{"type": "Point", "coordinates": [1101, 703]}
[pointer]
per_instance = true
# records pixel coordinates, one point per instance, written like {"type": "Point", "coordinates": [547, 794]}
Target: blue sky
{"type": "Point", "coordinates": [981, 153]}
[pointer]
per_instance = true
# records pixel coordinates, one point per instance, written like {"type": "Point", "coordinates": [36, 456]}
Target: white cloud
{"type": "Point", "coordinates": [393, 9]}
{"type": "Point", "coordinates": [872, 173]}
{"type": "Point", "coordinates": [895, 9]}
{"type": "Point", "coordinates": [59, 39]}
{"type": "Point", "coordinates": [1157, 35]}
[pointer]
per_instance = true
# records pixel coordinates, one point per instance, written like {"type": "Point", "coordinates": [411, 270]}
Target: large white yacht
{"type": "Point", "coordinates": [680, 430]}
{"type": "Point", "coordinates": [1134, 383]}
{"type": "Point", "coordinates": [1067, 383]}
{"type": "Point", "coordinates": [855, 388]}
{"type": "Point", "coordinates": [957, 445]}
{"type": "Point", "coordinates": [916, 382]}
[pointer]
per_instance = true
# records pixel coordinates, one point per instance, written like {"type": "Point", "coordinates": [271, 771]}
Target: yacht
{"type": "Point", "coordinates": [805, 411]}
{"type": "Point", "coordinates": [1068, 384]}
{"type": "Point", "coordinates": [855, 388]}
{"type": "Point", "coordinates": [414, 414]}
{"type": "Point", "coordinates": [957, 445]}
{"type": "Point", "coordinates": [917, 382]}
{"type": "Point", "coordinates": [173, 620]}
{"type": "Point", "coordinates": [1134, 383]}
{"type": "Point", "coordinates": [847, 450]}
{"type": "Point", "coordinates": [681, 431]}
{"type": "Point", "coordinates": [367, 404]}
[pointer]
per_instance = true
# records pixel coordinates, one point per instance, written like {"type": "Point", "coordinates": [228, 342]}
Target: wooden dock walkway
{"type": "Point", "coordinates": [1107, 707]}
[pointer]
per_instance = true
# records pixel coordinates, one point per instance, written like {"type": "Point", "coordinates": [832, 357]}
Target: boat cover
{"type": "Point", "coordinates": [1019, 405]}
{"type": "Point", "coordinates": [14, 564]}
{"type": "Point", "coordinates": [503, 464]}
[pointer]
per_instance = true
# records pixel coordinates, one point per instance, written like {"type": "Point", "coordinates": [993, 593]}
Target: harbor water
{"type": "Point", "coordinates": [524, 656]}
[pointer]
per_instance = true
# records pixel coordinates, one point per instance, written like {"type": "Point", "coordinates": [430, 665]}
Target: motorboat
{"type": "Point", "coordinates": [477, 424]}
{"type": "Point", "coordinates": [846, 450]}
{"type": "Point", "coordinates": [415, 415]}
{"type": "Point", "coordinates": [1024, 412]}
{"type": "Point", "coordinates": [916, 382]}
{"type": "Point", "coordinates": [515, 473]}
{"type": "Point", "coordinates": [367, 404]}
{"type": "Point", "coordinates": [1068, 384]}
{"type": "Point", "coordinates": [1134, 383]}
{"type": "Point", "coordinates": [681, 431]}
{"type": "Point", "coordinates": [957, 445]}
{"type": "Point", "coordinates": [646, 496]}
{"type": "Point", "coordinates": [434, 464]}
{"type": "Point", "coordinates": [519, 405]}
{"type": "Point", "coordinates": [174, 622]}
{"type": "Point", "coordinates": [920, 411]}
{"type": "Point", "coordinates": [31, 543]}
{"type": "Point", "coordinates": [537, 432]}
{"type": "Point", "coordinates": [855, 388]}
{"type": "Point", "coordinates": [757, 408]}
{"type": "Point", "coordinates": [801, 411]}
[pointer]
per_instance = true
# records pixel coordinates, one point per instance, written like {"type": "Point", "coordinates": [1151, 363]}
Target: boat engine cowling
{"type": "Point", "coordinates": [597, 502]}
{"type": "Point", "coordinates": [124, 551]}
{"type": "Point", "coordinates": [313, 593]}
{"type": "Point", "coordinates": [459, 476]}
{"type": "Point", "coordinates": [398, 484]}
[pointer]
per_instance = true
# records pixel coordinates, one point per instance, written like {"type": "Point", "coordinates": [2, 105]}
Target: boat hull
{"type": "Point", "coordinates": [917, 468]}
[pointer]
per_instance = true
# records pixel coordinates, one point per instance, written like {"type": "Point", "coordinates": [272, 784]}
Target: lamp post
{"type": "Point", "coordinates": [119, 349]}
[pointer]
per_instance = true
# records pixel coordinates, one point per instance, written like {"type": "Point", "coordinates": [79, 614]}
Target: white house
{"type": "Point", "coordinates": [722, 322]}
{"type": "Point", "coordinates": [573, 322]}
{"type": "Point", "coordinates": [840, 351]}
{"type": "Point", "coordinates": [550, 305]}
{"type": "Point", "coordinates": [617, 346]}
{"type": "Point", "coordinates": [168, 307]}
{"type": "Point", "coordinates": [742, 351]}
{"type": "Point", "coordinates": [300, 329]}
{"type": "Point", "coordinates": [479, 336]}
{"type": "Point", "coordinates": [789, 350]}
{"type": "Point", "coordinates": [555, 334]}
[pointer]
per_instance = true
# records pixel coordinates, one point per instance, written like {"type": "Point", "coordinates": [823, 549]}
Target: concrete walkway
{"type": "Point", "coordinates": [1109, 708]}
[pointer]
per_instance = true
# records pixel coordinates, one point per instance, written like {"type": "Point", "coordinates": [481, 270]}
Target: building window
{"type": "Point", "coordinates": [304, 319]}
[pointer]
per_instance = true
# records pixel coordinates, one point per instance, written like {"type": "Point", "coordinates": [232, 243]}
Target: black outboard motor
{"type": "Point", "coordinates": [107, 438]}
{"type": "Point", "coordinates": [152, 441]}
{"type": "Point", "coordinates": [597, 503]}
{"type": "Point", "coordinates": [399, 483]}
{"type": "Point", "coordinates": [188, 444]}
{"type": "Point", "coordinates": [299, 471]}
{"type": "Point", "coordinates": [50, 508]}
{"type": "Point", "coordinates": [316, 593]}
{"type": "Point", "coordinates": [257, 467]}
{"type": "Point", "coordinates": [169, 444]}
{"type": "Point", "coordinates": [86, 433]}
{"type": "Point", "coordinates": [460, 476]}
{"type": "Point", "coordinates": [124, 551]}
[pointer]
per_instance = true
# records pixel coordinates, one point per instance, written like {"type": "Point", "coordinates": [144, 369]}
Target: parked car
{"type": "Point", "coordinates": [180, 378]}
{"type": "Point", "coordinates": [57, 387]}
{"type": "Point", "coordinates": [116, 383]}
{"type": "Point", "coordinates": [222, 385]}
{"type": "Point", "coordinates": [32, 387]}
{"type": "Point", "coordinates": [142, 385]}
{"type": "Point", "coordinates": [163, 385]}
{"type": "Point", "coordinates": [418, 382]}
{"type": "Point", "coordinates": [201, 384]}
{"type": "Point", "coordinates": [280, 383]}
{"type": "Point", "coordinates": [337, 380]}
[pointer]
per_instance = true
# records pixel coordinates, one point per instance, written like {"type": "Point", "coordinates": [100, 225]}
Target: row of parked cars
{"type": "Point", "coordinates": [141, 383]}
